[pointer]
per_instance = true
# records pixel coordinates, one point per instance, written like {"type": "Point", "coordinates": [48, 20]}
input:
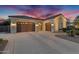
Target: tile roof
{"type": "Point", "coordinates": [28, 17]}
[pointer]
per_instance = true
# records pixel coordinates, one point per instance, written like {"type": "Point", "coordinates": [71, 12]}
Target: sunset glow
{"type": "Point", "coordinates": [39, 11]}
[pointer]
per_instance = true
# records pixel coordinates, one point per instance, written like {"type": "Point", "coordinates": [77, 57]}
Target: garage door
{"type": "Point", "coordinates": [25, 27]}
{"type": "Point", "coordinates": [48, 26]}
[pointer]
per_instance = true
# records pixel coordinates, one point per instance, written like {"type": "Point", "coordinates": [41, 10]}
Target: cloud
{"type": "Point", "coordinates": [72, 13]}
{"type": "Point", "coordinates": [38, 10]}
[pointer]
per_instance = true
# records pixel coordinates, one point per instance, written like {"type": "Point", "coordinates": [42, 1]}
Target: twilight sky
{"type": "Point", "coordinates": [39, 11]}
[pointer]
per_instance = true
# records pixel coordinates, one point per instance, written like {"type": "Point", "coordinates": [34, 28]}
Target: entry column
{"type": "Point", "coordinates": [52, 27]}
{"type": "Point", "coordinates": [13, 27]}
{"type": "Point", "coordinates": [36, 27]}
{"type": "Point", "coordinates": [44, 28]}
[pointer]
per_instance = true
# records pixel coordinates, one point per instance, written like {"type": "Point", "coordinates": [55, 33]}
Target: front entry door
{"type": "Point", "coordinates": [48, 26]}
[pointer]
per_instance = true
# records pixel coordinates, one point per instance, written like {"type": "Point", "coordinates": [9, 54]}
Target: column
{"type": "Point", "coordinates": [13, 27]}
{"type": "Point", "coordinates": [44, 26]}
{"type": "Point", "coordinates": [52, 27]}
{"type": "Point", "coordinates": [36, 27]}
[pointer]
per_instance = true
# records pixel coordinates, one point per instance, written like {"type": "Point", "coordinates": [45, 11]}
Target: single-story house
{"type": "Point", "coordinates": [29, 24]}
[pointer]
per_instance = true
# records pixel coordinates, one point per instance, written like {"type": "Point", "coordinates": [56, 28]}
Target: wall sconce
{"type": "Point", "coordinates": [12, 24]}
{"type": "Point", "coordinates": [36, 25]}
{"type": "Point", "coordinates": [52, 24]}
{"type": "Point", "coordinates": [76, 26]}
{"type": "Point", "coordinates": [39, 23]}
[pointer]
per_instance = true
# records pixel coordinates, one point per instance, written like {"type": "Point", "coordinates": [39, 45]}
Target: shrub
{"type": "Point", "coordinates": [71, 31]}
{"type": "Point", "coordinates": [1, 40]}
{"type": "Point", "coordinates": [64, 29]}
{"type": "Point", "coordinates": [77, 31]}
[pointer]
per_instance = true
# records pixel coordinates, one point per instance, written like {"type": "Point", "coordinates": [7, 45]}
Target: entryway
{"type": "Point", "coordinates": [39, 27]}
{"type": "Point", "coordinates": [48, 26]}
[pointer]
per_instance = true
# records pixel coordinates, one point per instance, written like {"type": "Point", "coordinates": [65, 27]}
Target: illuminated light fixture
{"type": "Point", "coordinates": [26, 23]}
{"type": "Point", "coordinates": [52, 24]}
{"type": "Point", "coordinates": [12, 24]}
{"type": "Point", "coordinates": [36, 25]}
{"type": "Point", "coordinates": [76, 26]}
{"type": "Point", "coordinates": [21, 23]}
{"type": "Point", "coordinates": [39, 23]}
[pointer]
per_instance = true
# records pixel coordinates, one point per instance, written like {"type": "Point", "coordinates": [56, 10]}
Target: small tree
{"type": "Point", "coordinates": [77, 25]}
{"type": "Point", "coordinates": [72, 32]}
{"type": "Point", "coordinates": [1, 40]}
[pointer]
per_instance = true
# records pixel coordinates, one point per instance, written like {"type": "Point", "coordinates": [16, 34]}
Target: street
{"type": "Point", "coordinates": [38, 43]}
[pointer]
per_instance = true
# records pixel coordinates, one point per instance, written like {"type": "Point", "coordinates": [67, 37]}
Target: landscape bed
{"type": "Point", "coordinates": [3, 44]}
{"type": "Point", "coordinates": [70, 38]}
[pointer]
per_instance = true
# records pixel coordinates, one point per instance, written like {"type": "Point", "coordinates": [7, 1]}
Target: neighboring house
{"type": "Point", "coordinates": [77, 22]}
{"type": "Point", "coordinates": [4, 26]}
{"type": "Point", "coordinates": [28, 24]}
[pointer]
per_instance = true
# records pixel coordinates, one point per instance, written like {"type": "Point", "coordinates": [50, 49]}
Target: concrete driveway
{"type": "Point", "coordinates": [38, 43]}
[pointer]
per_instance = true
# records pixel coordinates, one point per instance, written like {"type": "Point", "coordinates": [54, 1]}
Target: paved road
{"type": "Point", "coordinates": [38, 43]}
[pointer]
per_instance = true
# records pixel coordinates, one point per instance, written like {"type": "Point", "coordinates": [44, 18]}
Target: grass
{"type": "Point", "coordinates": [3, 44]}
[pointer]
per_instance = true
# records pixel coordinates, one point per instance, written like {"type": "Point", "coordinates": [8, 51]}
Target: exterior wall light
{"type": "Point", "coordinates": [76, 26]}
{"type": "Point", "coordinates": [39, 23]}
{"type": "Point", "coordinates": [26, 23]}
{"type": "Point", "coordinates": [36, 25]}
{"type": "Point", "coordinates": [52, 24]}
{"type": "Point", "coordinates": [12, 24]}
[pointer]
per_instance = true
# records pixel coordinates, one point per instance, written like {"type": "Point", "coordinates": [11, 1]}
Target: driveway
{"type": "Point", "coordinates": [38, 43]}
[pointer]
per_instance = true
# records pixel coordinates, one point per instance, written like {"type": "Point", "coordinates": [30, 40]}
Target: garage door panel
{"type": "Point", "coordinates": [27, 27]}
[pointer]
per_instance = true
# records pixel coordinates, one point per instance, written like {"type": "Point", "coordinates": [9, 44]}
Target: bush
{"type": "Point", "coordinates": [64, 29]}
{"type": "Point", "coordinates": [77, 31]}
{"type": "Point", "coordinates": [71, 31]}
{"type": "Point", "coordinates": [1, 40]}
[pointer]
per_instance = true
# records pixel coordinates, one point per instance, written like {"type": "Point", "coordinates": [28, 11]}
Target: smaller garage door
{"type": "Point", "coordinates": [48, 26]}
{"type": "Point", "coordinates": [25, 27]}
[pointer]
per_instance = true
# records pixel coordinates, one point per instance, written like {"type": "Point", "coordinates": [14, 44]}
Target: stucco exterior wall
{"type": "Point", "coordinates": [56, 23]}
